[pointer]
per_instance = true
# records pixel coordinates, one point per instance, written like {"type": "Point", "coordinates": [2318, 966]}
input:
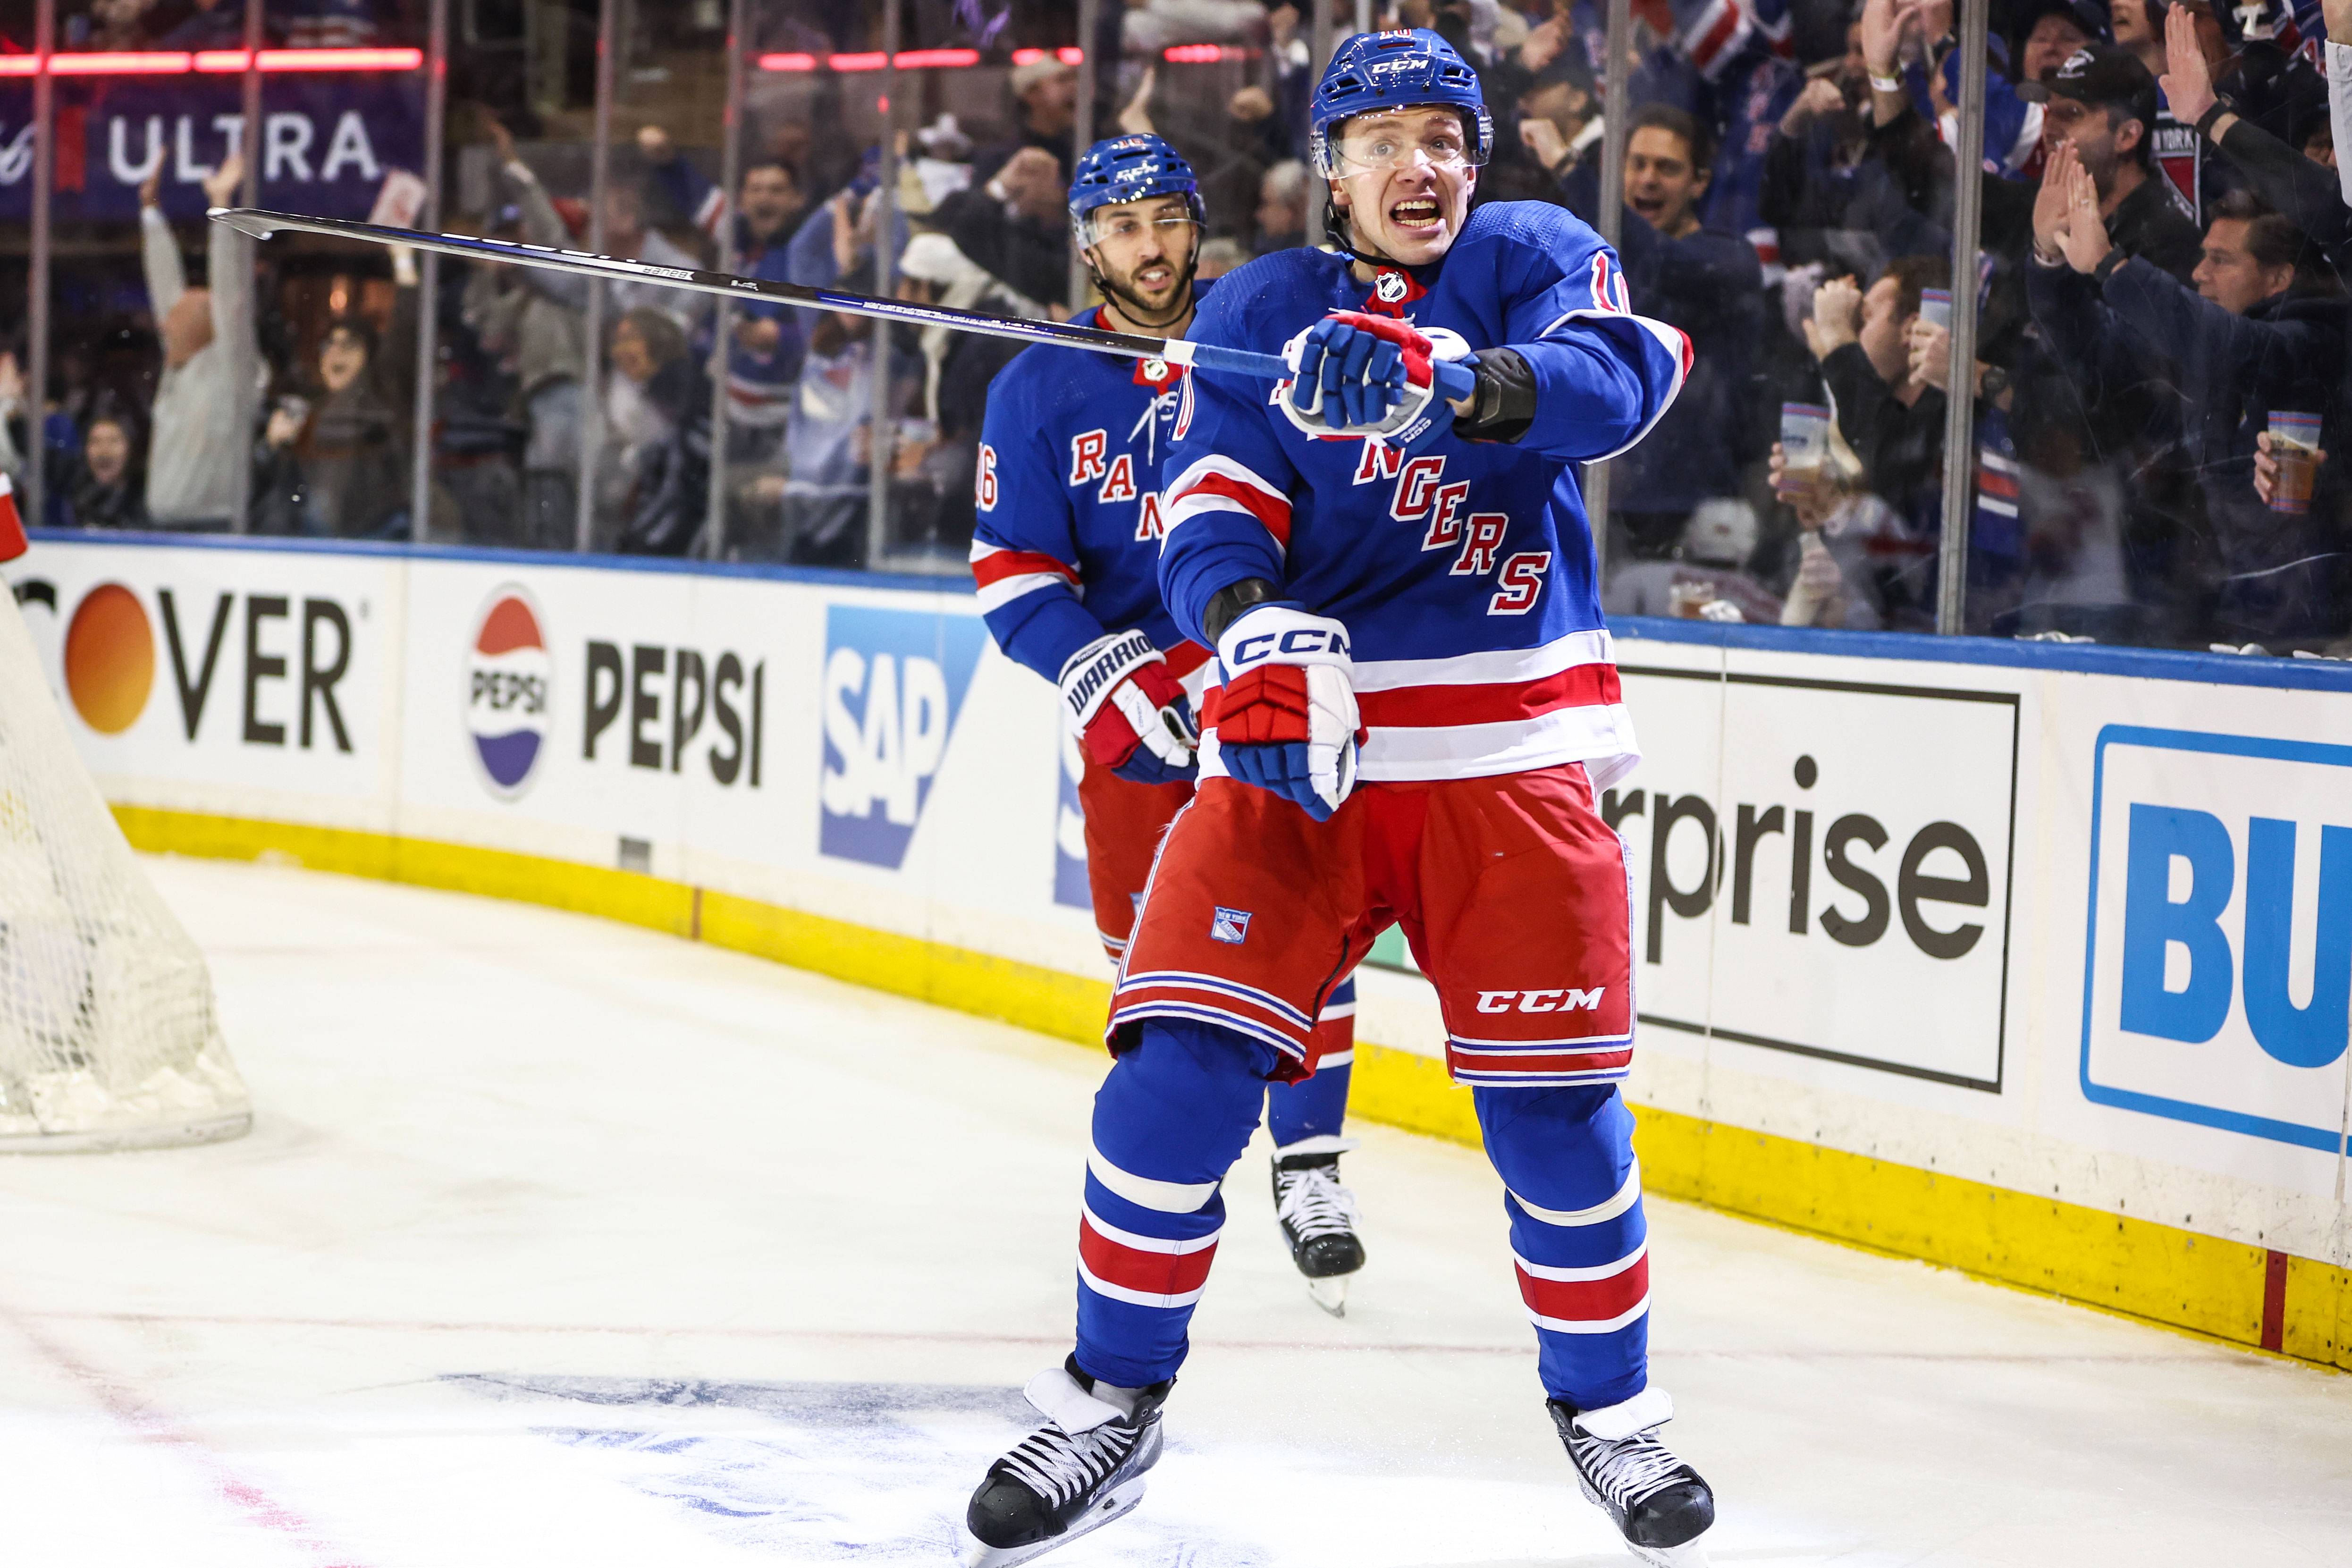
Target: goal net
{"type": "Point", "coordinates": [108, 1034]}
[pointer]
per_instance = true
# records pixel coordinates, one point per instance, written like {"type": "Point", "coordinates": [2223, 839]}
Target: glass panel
{"type": "Point", "coordinates": [2118, 496]}
{"type": "Point", "coordinates": [509, 408]}
{"type": "Point", "coordinates": [158, 319]}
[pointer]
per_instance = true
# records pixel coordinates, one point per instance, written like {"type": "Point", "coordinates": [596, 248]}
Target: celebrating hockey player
{"type": "Point", "coordinates": [1416, 705]}
{"type": "Point", "coordinates": [1066, 552]}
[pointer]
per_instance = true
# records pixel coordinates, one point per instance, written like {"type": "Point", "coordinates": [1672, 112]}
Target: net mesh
{"type": "Point", "coordinates": [108, 1033]}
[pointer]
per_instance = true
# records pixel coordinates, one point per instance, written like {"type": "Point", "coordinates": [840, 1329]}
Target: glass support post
{"type": "Point", "coordinates": [37, 306]}
{"type": "Point", "coordinates": [879, 425]}
{"type": "Point", "coordinates": [1617, 114]}
{"type": "Point", "coordinates": [730, 259]}
{"type": "Point", "coordinates": [600, 174]}
{"type": "Point", "coordinates": [428, 285]}
{"type": "Point", "coordinates": [1959, 406]}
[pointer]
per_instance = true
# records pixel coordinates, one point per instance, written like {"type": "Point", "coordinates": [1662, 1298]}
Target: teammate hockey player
{"type": "Point", "coordinates": [1417, 704]}
{"type": "Point", "coordinates": [1066, 551]}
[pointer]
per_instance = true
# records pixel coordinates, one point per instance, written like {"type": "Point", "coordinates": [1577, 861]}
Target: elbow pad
{"type": "Point", "coordinates": [1503, 406]}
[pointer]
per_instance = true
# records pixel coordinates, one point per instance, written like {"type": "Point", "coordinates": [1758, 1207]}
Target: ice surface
{"type": "Point", "coordinates": [556, 1241]}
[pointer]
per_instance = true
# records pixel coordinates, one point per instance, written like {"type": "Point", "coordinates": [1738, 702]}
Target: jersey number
{"type": "Point", "coordinates": [984, 486]}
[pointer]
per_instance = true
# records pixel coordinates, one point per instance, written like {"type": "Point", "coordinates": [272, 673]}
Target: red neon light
{"type": "Point", "coordinates": [871, 60]}
{"type": "Point", "coordinates": [1200, 54]}
{"type": "Point", "coordinates": [122, 64]}
{"type": "Point", "coordinates": [1070, 55]}
{"type": "Point", "coordinates": [173, 62]}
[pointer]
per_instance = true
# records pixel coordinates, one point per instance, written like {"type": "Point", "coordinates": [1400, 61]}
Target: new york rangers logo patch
{"type": "Point", "coordinates": [1229, 925]}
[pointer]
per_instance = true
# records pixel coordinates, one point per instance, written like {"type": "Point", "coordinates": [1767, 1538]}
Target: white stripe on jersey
{"type": "Point", "coordinates": [1003, 592]}
{"type": "Point", "coordinates": [1496, 668]}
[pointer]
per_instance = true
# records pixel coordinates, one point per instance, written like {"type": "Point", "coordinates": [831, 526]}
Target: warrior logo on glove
{"type": "Point", "coordinates": [1127, 711]}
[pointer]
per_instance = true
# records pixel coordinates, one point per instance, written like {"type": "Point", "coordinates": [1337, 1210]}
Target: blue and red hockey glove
{"type": "Point", "coordinates": [1287, 715]}
{"type": "Point", "coordinates": [1354, 375]}
{"type": "Point", "coordinates": [1128, 712]}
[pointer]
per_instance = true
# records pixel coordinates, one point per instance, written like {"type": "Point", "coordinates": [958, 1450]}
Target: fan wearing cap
{"type": "Point", "coordinates": [1065, 554]}
{"type": "Point", "coordinates": [1416, 708]}
{"type": "Point", "coordinates": [2104, 104]}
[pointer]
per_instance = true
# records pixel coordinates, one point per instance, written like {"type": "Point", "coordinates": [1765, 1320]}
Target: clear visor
{"type": "Point", "coordinates": [1129, 227]}
{"type": "Point", "coordinates": [1374, 142]}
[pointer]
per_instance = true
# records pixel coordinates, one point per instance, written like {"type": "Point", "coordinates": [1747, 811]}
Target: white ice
{"type": "Point", "coordinates": [562, 1242]}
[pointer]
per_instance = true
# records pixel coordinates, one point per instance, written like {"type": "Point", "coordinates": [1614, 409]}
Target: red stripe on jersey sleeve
{"type": "Point", "coordinates": [998, 564]}
{"type": "Point", "coordinates": [1133, 1268]}
{"type": "Point", "coordinates": [1425, 707]}
{"type": "Point", "coordinates": [1587, 1301]}
{"type": "Point", "coordinates": [1269, 508]}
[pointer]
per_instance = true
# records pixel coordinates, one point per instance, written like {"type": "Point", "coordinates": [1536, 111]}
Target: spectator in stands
{"type": "Point", "coordinates": [2298, 185]}
{"type": "Point", "coordinates": [1016, 226]}
{"type": "Point", "coordinates": [533, 319]}
{"type": "Point", "coordinates": [2045, 34]}
{"type": "Point", "coordinates": [658, 408]}
{"type": "Point", "coordinates": [1047, 90]}
{"type": "Point", "coordinates": [1559, 122]}
{"type": "Point", "coordinates": [338, 464]}
{"type": "Point", "coordinates": [627, 234]}
{"type": "Point", "coordinates": [763, 362]}
{"type": "Point", "coordinates": [1707, 283]}
{"type": "Point", "coordinates": [823, 494]}
{"type": "Point", "coordinates": [2250, 341]}
{"type": "Point", "coordinates": [1282, 207]}
{"type": "Point", "coordinates": [1893, 421]}
{"type": "Point", "coordinates": [200, 439]}
{"type": "Point", "coordinates": [111, 26]}
{"type": "Point", "coordinates": [215, 25]}
{"type": "Point", "coordinates": [108, 492]}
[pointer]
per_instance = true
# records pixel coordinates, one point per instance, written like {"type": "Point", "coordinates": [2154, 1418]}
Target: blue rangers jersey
{"type": "Point", "coordinates": [1464, 575]}
{"type": "Point", "coordinates": [1067, 541]}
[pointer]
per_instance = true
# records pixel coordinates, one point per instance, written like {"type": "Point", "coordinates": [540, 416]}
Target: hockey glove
{"type": "Point", "coordinates": [1354, 375]}
{"type": "Point", "coordinates": [1127, 711]}
{"type": "Point", "coordinates": [1286, 717]}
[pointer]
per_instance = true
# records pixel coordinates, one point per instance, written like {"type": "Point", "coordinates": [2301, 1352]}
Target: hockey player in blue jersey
{"type": "Point", "coordinates": [1066, 552]}
{"type": "Point", "coordinates": [1415, 707]}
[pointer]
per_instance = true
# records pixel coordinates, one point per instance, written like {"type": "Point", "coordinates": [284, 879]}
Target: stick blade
{"type": "Point", "coordinates": [246, 220]}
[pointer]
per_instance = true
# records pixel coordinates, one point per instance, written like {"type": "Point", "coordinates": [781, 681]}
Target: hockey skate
{"type": "Point", "coordinates": [1657, 1502]}
{"type": "Point", "coordinates": [1081, 1469]}
{"type": "Point", "coordinates": [1318, 1218]}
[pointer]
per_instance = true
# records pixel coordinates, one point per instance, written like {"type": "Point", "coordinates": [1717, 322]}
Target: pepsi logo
{"type": "Point", "coordinates": [509, 678]}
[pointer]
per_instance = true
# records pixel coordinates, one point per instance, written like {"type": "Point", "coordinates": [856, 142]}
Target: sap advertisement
{"type": "Point", "coordinates": [2073, 921]}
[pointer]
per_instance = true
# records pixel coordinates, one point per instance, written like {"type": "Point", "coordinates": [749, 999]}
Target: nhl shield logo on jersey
{"type": "Point", "coordinates": [1390, 290]}
{"type": "Point", "coordinates": [508, 676]}
{"type": "Point", "coordinates": [1229, 925]}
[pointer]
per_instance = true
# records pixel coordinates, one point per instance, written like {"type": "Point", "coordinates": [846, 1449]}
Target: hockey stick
{"type": "Point", "coordinates": [262, 224]}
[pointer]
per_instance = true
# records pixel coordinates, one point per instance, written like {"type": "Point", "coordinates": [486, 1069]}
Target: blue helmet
{"type": "Point", "coordinates": [1406, 69]}
{"type": "Point", "coordinates": [1122, 169]}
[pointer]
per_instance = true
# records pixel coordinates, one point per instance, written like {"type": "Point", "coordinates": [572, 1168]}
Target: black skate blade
{"type": "Point", "coordinates": [1330, 1293]}
{"type": "Point", "coordinates": [1689, 1554]}
{"type": "Point", "coordinates": [1117, 1503]}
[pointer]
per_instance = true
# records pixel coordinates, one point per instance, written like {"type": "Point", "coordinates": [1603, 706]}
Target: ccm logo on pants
{"type": "Point", "coordinates": [1565, 999]}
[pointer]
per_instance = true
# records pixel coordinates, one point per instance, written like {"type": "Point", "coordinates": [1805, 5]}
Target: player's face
{"type": "Point", "coordinates": [1143, 253]}
{"type": "Point", "coordinates": [1404, 182]}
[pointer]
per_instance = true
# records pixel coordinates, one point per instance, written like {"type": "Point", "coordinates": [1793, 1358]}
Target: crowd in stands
{"type": "Point", "coordinates": [2161, 312]}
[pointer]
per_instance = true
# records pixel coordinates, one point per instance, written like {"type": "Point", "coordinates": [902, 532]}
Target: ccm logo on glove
{"type": "Point", "coordinates": [1289, 644]}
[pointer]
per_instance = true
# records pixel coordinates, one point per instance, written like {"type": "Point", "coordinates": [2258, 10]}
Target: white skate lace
{"type": "Point", "coordinates": [1627, 1469]}
{"type": "Point", "coordinates": [1058, 1465]}
{"type": "Point", "coordinates": [1314, 1203]}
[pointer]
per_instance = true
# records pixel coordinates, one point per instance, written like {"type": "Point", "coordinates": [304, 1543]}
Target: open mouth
{"type": "Point", "coordinates": [1154, 278]}
{"type": "Point", "coordinates": [1650, 207]}
{"type": "Point", "coordinates": [1417, 215]}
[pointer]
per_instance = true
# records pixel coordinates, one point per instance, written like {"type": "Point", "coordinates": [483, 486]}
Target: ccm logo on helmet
{"type": "Point", "coordinates": [1559, 999]}
{"type": "Point", "coordinates": [1298, 639]}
